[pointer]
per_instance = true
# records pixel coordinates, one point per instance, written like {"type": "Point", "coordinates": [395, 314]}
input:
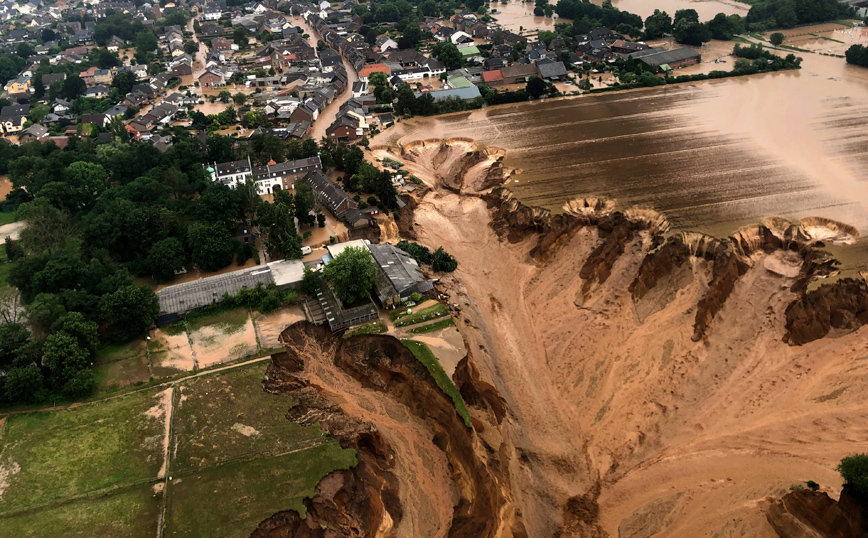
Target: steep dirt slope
{"type": "Point", "coordinates": [649, 386]}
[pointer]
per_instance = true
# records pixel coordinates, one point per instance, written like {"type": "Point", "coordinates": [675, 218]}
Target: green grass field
{"type": "Point", "coordinates": [227, 416]}
{"type": "Point", "coordinates": [132, 513]}
{"type": "Point", "coordinates": [426, 357]}
{"type": "Point", "coordinates": [228, 322]}
{"type": "Point", "coordinates": [55, 455]}
{"type": "Point", "coordinates": [432, 312]}
{"type": "Point", "coordinates": [375, 327]}
{"type": "Point", "coordinates": [231, 500]}
{"type": "Point", "coordinates": [431, 327]}
{"type": "Point", "coordinates": [7, 218]}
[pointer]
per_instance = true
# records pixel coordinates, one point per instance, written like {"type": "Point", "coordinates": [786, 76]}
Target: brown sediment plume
{"type": "Point", "coordinates": [328, 377]}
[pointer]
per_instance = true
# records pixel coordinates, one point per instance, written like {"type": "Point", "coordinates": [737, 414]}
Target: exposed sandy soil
{"type": "Point", "coordinates": [269, 326]}
{"type": "Point", "coordinates": [213, 344]}
{"type": "Point", "coordinates": [621, 420]}
{"type": "Point", "coordinates": [170, 354]}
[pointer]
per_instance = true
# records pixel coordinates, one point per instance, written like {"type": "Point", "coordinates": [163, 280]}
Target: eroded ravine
{"type": "Point", "coordinates": [623, 379]}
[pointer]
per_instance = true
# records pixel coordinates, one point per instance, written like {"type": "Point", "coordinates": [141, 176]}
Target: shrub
{"type": "Point", "coordinates": [813, 486]}
{"type": "Point", "coordinates": [269, 304]}
{"type": "Point", "coordinates": [443, 261]}
{"type": "Point", "coordinates": [416, 297]}
{"type": "Point", "coordinates": [854, 471]}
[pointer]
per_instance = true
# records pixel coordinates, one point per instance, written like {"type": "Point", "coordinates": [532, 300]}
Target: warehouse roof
{"type": "Point", "coordinates": [182, 298]}
{"type": "Point", "coordinates": [656, 58]}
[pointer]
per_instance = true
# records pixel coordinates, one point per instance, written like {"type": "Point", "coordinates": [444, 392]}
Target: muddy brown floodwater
{"type": "Point", "coordinates": [711, 156]}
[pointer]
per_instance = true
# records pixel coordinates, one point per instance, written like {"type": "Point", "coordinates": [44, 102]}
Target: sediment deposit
{"type": "Point", "coordinates": [624, 379]}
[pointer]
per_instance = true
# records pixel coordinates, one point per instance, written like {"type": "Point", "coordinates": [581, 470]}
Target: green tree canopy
{"type": "Point", "coordinates": [351, 274]}
{"type": "Point", "coordinates": [658, 24]}
{"type": "Point", "coordinates": [449, 54]}
{"type": "Point", "coordinates": [129, 311]}
{"type": "Point", "coordinates": [165, 257]}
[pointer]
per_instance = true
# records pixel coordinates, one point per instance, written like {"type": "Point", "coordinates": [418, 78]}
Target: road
{"type": "Point", "coordinates": [327, 116]}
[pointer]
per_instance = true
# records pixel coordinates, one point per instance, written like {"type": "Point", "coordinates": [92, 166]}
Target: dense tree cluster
{"type": "Point", "coordinates": [440, 260]}
{"type": "Point", "coordinates": [586, 16]}
{"type": "Point", "coordinates": [769, 14]}
{"type": "Point", "coordinates": [360, 175]}
{"type": "Point", "coordinates": [857, 55]}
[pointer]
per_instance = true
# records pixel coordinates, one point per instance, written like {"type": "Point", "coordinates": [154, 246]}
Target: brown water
{"type": "Point", "coordinates": [712, 156]}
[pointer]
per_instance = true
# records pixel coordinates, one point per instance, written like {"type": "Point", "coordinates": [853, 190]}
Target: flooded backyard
{"type": "Point", "coordinates": [712, 156]}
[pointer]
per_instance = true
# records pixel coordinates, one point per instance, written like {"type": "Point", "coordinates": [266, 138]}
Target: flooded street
{"type": "Point", "coordinates": [712, 156]}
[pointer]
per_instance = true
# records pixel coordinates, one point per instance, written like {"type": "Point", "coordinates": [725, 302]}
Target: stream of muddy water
{"type": "Point", "coordinates": [712, 156]}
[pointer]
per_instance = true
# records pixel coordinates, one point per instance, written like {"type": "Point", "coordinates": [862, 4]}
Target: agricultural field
{"type": "Point", "coordinates": [51, 456]}
{"type": "Point", "coordinates": [213, 451]}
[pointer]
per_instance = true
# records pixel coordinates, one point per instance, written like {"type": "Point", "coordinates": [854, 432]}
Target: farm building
{"type": "Point", "coordinates": [659, 59]}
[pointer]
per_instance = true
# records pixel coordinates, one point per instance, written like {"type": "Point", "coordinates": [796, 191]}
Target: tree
{"type": "Point", "coordinates": [413, 34]}
{"type": "Point", "coordinates": [72, 88]}
{"type": "Point", "coordinates": [854, 471]}
{"type": "Point", "coordinates": [536, 87]}
{"type": "Point", "coordinates": [65, 359]}
{"type": "Point", "coordinates": [124, 82]}
{"type": "Point", "coordinates": [48, 228]}
{"type": "Point", "coordinates": [378, 80]}
{"type": "Point", "coordinates": [240, 37]}
{"type": "Point", "coordinates": [129, 311]}
{"type": "Point", "coordinates": [443, 261]}
{"type": "Point", "coordinates": [224, 95]}
{"type": "Point", "coordinates": [76, 325]}
{"type": "Point", "coordinates": [210, 245]}
{"type": "Point", "coordinates": [449, 54]}
{"type": "Point", "coordinates": [309, 282]}
{"type": "Point", "coordinates": [12, 337]}
{"type": "Point", "coordinates": [725, 27]}
{"type": "Point", "coordinates": [689, 15]}
{"type": "Point", "coordinates": [321, 45]}
{"type": "Point", "coordinates": [658, 24]}
{"type": "Point", "coordinates": [11, 306]}
{"type": "Point", "coordinates": [690, 32]}
{"type": "Point", "coordinates": [23, 384]}
{"type": "Point", "coordinates": [165, 257]}
{"type": "Point", "coordinates": [191, 47]}
{"type": "Point", "coordinates": [351, 274]}
{"type": "Point", "coordinates": [321, 220]}
{"type": "Point", "coordinates": [776, 39]}
{"type": "Point", "coordinates": [305, 203]}
{"type": "Point", "coordinates": [239, 98]}
{"type": "Point", "coordinates": [146, 42]}
{"type": "Point", "coordinates": [857, 55]}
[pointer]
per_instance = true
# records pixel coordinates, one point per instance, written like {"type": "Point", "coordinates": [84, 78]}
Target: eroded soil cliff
{"type": "Point", "coordinates": [624, 380]}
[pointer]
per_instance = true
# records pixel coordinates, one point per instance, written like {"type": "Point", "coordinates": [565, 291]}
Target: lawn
{"type": "Point", "coordinates": [431, 327]}
{"type": "Point", "coordinates": [228, 322]}
{"type": "Point", "coordinates": [426, 357]}
{"type": "Point", "coordinates": [48, 456]}
{"type": "Point", "coordinates": [229, 501]}
{"type": "Point", "coordinates": [132, 513]}
{"type": "Point", "coordinates": [7, 218]}
{"type": "Point", "coordinates": [228, 416]}
{"type": "Point", "coordinates": [121, 373]}
{"type": "Point", "coordinates": [375, 327]}
{"type": "Point", "coordinates": [117, 352]}
{"type": "Point", "coordinates": [402, 319]}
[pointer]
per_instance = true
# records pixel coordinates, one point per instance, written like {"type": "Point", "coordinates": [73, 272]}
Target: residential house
{"type": "Point", "coordinates": [51, 78]}
{"type": "Point", "coordinates": [552, 71]}
{"type": "Point", "coordinates": [19, 85]}
{"type": "Point", "coordinates": [115, 44]}
{"type": "Point", "coordinates": [33, 132]}
{"type": "Point", "coordinates": [385, 43]}
{"type": "Point", "coordinates": [211, 78]}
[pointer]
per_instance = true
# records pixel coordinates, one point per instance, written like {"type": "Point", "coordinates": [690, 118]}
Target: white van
{"type": "Point", "coordinates": [305, 251]}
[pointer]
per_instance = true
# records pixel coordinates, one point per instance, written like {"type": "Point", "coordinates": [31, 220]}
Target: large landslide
{"type": "Point", "coordinates": [655, 382]}
{"type": "Point", "coordinates": [421, 471]}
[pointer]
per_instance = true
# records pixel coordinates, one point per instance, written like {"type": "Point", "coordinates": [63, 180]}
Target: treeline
{"type": "Point", "coordinates": [587, 16]}
{"type": "Point", "coordinates": [769, 14]}
{"type": "Point", "coordinates": [99, 214]}
{"type": "Point", "coordinates": [752, 59]}
{"type": "Point", "coordinates": [857, 55]}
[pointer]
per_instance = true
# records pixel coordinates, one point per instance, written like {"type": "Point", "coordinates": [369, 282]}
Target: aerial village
{"type": "Point", "coordinates": [286, 70]}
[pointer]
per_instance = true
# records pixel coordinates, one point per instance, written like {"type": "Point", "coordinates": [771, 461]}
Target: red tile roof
{"type": "Point", "coordinates": [374, 68]}
{"type": "Point", "coordinates": [492, 76]}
